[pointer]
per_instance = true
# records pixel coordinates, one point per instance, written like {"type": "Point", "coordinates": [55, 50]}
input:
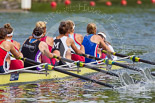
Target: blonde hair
{"type": "Point", "coordinates": [41, 24]}
{"type": "Point", "coordinates": [91, 28]}
{"type": "Point", "coordinates": [71, 25]}
{"type": "Point", "coordinates": [8, 27]}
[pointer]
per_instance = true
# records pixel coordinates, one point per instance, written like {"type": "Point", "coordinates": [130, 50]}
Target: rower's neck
{"type": "Point", "coordinates": [71, 33]}
{"type": "Point", "coordinates": [2, 39]}
{"type": "Point", "coordinates": [37, 38]}
{"type": "Point", "coordinates": [9, 38]}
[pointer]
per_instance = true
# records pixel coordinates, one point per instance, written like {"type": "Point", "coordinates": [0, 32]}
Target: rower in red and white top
{"type": "Point", "coordinates": [78, 39]}
{"type": "Point", "coordinates": [46, 39]}
{"type": "Point", "coordinates": [14, 63]}
{"type": "Point", "coordinates": [5, 47]}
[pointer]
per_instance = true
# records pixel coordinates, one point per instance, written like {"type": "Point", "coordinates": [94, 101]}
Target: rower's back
{"type": "Point", "coordinates": [14, 63]}
{"type": "Point", "coordinates": [90, 42]}
{"type": "Point", "coordinates": [78, 39]}
{"type": "Point", "coordinates": [46, 39]}
{"type": "Point", "coordinates": [30, 48]}
{"type": "Point", "coordinates": [60, 46]}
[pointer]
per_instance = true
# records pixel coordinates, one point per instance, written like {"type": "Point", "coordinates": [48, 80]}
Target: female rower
{"type": "Point", "coordinates": [33, 48]}
{"type": "Point", "coordinates": [5, 47]}
{"type": "Point", "coordinates": [78, 39]}
{"type": "Point", "coordinates": [103, 36]}
{"type": "Point", "coordinates": [46, 39]}
{"type": "Point", "coordinates": [62, 43]}
{"type": "Point", "coordinates": [92, 41]}
{"type": "Point", "coordinates": [15, 64]}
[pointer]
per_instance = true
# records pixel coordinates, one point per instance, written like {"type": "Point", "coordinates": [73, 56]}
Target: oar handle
{"type": "Point", "coordinates": [114, 53]}
{"type": "Point", "coordinates": [89, 56]}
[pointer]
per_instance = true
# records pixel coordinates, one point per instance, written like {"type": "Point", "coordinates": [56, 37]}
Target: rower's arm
{"type": "Point", "coordinates": [104, 46]}
{"type": "Point", "coordinates": [79, 38]}
{"type": "Point", "coordinates": [15, 53]}
{"type": "Point", "coordinates": [43, 47]}
{"type": "Point", "coordinates": [74, 47]}
{"type": "Point", "coordinates": [17, 44]}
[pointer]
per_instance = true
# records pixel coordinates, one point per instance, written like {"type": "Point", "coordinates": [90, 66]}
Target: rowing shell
{"type": "Point", "coordinates": [31, 76]}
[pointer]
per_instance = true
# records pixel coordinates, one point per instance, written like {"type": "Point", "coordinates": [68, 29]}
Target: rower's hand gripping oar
{"type": "Point", "coordinates": [81, 64]}
{"type": "Point", "coordinates": [50, 67]}
{"type": "Point", "coordinates": [133, 58]}
{"type": "Point", "coordinates": [110, 62]}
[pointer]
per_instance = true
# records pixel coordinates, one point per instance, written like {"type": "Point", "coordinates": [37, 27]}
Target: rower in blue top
{"type": "Point", "coordinates": [92, 42]}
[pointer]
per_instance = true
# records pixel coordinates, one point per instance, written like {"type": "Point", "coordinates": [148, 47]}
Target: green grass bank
{"type": "Point", "coordinates": [78, 6]}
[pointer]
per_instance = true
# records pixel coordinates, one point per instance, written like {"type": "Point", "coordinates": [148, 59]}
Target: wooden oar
{"type": "Point", "coordinates": [50, 67]}
{"type": "Point", "coordinates": [110, 62]}
{"type": "Point", "coordinates": [133, 58]}
{"type": "Point", "coordinates": [81, 64]}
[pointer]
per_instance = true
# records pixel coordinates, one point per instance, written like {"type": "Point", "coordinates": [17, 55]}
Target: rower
{"type": "Point", "coordinates": [33, 48]}
{"type": "Point", "coordinates": [46, 39]}
{"type": "Point", "coordinates": [15, 64]}
{"type": "Point", "coordinates": [92, 41]}
{"type": "Point", "coordinates": [78, 39]}
{"type": "Point", "coordinates": [5, 47]}
{"type": "Point", "coordinates": [62, 44]}
{"type": "Point", "coordinates": [103, 36]}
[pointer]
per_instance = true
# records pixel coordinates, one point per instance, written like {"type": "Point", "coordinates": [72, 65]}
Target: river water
{"type": "Point", "coordinates": [129, 33]}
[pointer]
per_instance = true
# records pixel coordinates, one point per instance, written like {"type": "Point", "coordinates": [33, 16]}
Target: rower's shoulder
{"type": "Point", "coordinates": [49, 40]}
{"type": "Point", "coordinates": [79, 37]}
{"type": "Point", "coordinates": [97, 36]}
{"type": "Point", "coordinates": [16, 43]}
{"type": "Point", "coordinates": [7, 45]}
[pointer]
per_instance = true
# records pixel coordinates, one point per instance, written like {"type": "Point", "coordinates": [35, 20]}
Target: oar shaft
{"type": "Point", "coordinates": [153, 74]}
{"type": "Point", "coordinates": [111, 62]}
{"type": "Point", "coordinates": [146, 61]}
{"type": "Point", "coordinates": [66, 72]}
{"type": "Point", "coordinates": [100, 70]}
{"type": "Point", "coordinates": [125, 66]}
{"type": "Point", "coordinates": [91, 67]}
{"type": "Point", "coordinates": [133, 58]}
{"type": "Point", "coordinates": [82, 77]}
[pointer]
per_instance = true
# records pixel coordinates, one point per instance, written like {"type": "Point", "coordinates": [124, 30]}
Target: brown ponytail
{"type": "Point", "coordinates": [63, 28]}
{"type": "Point", "coordinates": [38, 31]}
{"type": "Point", "coordinates": [3, 33]}
{"type": "Point", "coordinates": [8, 28]}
